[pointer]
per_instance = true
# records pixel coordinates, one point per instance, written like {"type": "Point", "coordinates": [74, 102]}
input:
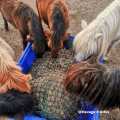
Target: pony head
{"type": "Point", "coordinates": [11, 75]}
{"type": "Point", "coordinates": [79, 75]}
{"type": "Point", "coordinates": [54, 48]}
{"type": "Point", "coordinates": [94, 83]}
{"type": "Point", "coordinates": [85, 49]}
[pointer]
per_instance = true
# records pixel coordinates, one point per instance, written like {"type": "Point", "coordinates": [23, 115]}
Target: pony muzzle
{"type": "Point", "coordinates": [54, 52]}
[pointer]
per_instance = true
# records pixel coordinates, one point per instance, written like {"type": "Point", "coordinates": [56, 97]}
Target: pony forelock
{"type": "Point", "coordinates": [107, 24]}
{"type": "Point", "coordinates": [58, 21]}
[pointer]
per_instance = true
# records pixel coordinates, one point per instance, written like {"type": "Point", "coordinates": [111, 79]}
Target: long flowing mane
{"type": "Point", "coordinates": [106, 23]}
{"type": "Point", "coordinates": [6, 61]}
{"type": "Point", "coordinates": [11, 75]}
{"type": "Point", "coordinates": [35, 26]}
{"type": "Point", "coordinates": [95, 83]}
{"type": "Point", "coordinates": [58, 21]}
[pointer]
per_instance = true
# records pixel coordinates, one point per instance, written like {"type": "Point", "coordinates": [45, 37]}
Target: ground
{"type": "Point", "coordinates": [78, 10]}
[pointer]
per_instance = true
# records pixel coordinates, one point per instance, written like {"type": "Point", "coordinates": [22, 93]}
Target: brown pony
{"type": "Point", "coordinates": [10, 74]}
{"type": "Point", "coordinates": [22, 17]}
{"type": "Point", "coordinates": [95, 83]}
{"type": "Point", "coordinates": [55, 14]}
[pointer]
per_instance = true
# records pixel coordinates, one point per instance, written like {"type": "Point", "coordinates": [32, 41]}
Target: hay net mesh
{"type": "Point", "coordinates": [46, 86]}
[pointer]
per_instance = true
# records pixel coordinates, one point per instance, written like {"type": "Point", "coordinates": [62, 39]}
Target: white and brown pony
{"type": "Point", "coordinates": [54, 13]}
{"type": "Point", "coordinates": [11, 76]}
{"type": "Point", "coordinates": [100, 35]}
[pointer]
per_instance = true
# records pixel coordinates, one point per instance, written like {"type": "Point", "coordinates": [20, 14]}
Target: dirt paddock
{"type": "Point", "coordinates": [78, 10]}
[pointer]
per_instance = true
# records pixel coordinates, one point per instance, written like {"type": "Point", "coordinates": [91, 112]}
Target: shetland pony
{"type": "Point", "coordinates": [95, 83]}
{"type": "Point", "coordinates": [22, 17]}
{"type": "Point", "coordinates": [16, 104]}
{"type": "Point", "coordinates": [55, 14]}
{"type": "Point", "coordinates": [100, 36]}
{"type": "Point", "coordinates": [10, 74]}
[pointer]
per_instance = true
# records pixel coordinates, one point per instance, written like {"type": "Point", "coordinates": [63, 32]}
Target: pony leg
{"type": "Point", "coordinates": [24, 42]}
{"type": "Point", "coordinates": [115, 42]}
{"type": "Point", "coordinates": [5, 23]}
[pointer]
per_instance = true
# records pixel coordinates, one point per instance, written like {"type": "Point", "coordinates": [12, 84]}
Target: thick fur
{"type": "Point", "coordinates": [16, 104]}
{"type": "Point", "coordinates": [94, 82]}
{"type": "Point", "coordinates": [10, 74]}
{"type": "Point", "coordinates": [55, 14]}
{"type": "Point", "coordinates": [22, 16]}
{"type": "Point", "coordinates": [100, 35]}
{"type": "Point", "coordinates": [58, 26]}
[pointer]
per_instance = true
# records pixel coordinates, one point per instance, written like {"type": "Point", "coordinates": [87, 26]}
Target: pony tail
{"type": "Point", "coordinates": [38, 34]}
{"type": "Point", "coordinates": [16, 104]}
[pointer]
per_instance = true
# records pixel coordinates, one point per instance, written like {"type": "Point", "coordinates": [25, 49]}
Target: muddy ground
{"type": "Point", "coordinates": [78, 10]}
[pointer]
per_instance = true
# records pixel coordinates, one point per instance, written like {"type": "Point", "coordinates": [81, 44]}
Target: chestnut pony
{"type": "Point", "coordinates": [22, 17]}
{"type": "Point", "coordinates": [55, 14]}
{"type": "Point", "coordinates": [11, 76]}
{"type": "Point", "coordinates": [95, 83]}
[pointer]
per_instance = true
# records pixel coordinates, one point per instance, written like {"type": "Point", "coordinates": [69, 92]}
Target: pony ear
{"type": "Point", "coordinates": [83, 24]}
{"type": "Point", "coordinates": [98, 36]}
{"type": "Point", "coordinates": [47, 34]}
{"type": "Point", "coordinates": [65, 36]}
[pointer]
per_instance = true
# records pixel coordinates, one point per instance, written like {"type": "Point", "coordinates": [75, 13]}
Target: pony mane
{"type": "Point", "coordinates": [58, 21]}
{"type": "Point", "coordinates": [6, 61]}
{"type": "Point", "coordinates": [107, 24]}
{"type": "Point", "coordinates": [35, 26]}
{"type": "Point", "coordinates": [11, 75]}
{"type": "Point", "coordinates": [95, 83]}
{"type": "Point", "coordinates": [16, 104]}
{"type": "Point", "coordinates": [25, 8]}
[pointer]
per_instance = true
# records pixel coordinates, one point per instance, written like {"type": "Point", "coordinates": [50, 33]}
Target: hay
{"type": "Point", "coordinates": [47, 76]}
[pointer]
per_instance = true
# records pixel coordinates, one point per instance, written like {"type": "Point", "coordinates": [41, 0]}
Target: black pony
{"type": "Point", "coordinates": [16, 104]}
